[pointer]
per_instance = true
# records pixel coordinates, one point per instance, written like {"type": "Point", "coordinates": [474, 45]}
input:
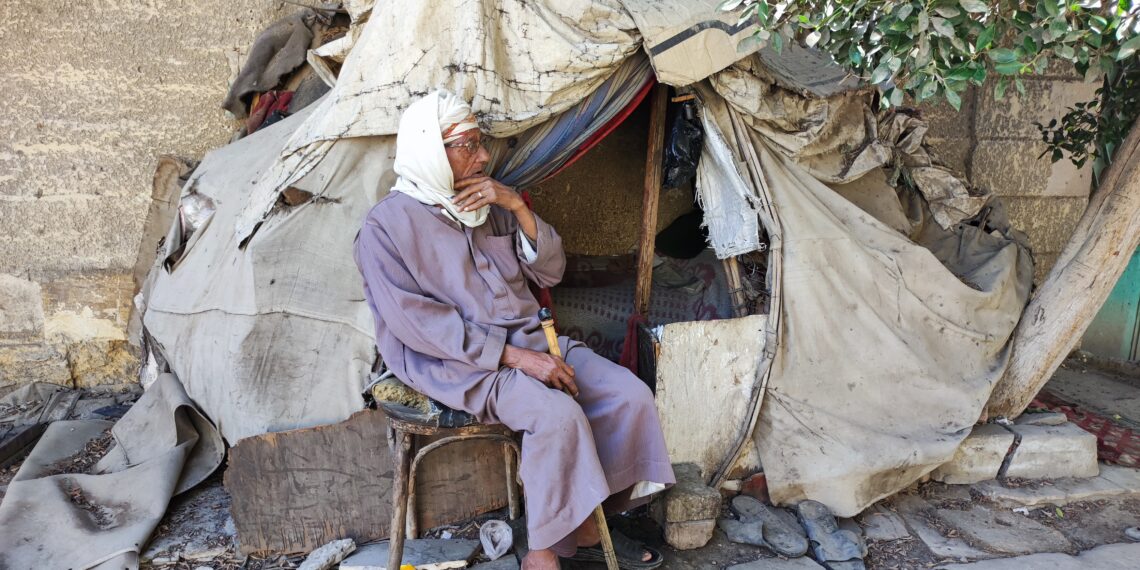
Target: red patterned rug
{"type": "Point", "coordinates": [1115, 442]}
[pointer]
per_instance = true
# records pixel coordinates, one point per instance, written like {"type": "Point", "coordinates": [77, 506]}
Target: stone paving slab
{"type": "Point", "coordinates": [1107, 557]}
{"type": "Point", "coordinates": [1004, 531]}
{"type": "Point", "coordinates": [880, 523]}
{"type": "Point", "coordinates": [421, 553]}
{"type": "Point", "coordinates": [1061, 492]}
{"type": "Point", "coordinates": [918, 515]}
{"type": "Point", "coordinates": [801, 563]}
{"type": "Point", "coordinates": [1126, 478]}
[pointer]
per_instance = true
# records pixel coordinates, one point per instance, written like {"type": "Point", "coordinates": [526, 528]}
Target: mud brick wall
{"type": "Point", "coordinates": [93, 92]}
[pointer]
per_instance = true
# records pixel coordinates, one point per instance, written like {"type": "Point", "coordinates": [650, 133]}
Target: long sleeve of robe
{"type": "Point", "coordinates": [447, 299]}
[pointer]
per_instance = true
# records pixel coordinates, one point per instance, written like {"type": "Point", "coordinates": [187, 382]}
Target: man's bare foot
{"type": "Point", "coordinates": [540, 560]}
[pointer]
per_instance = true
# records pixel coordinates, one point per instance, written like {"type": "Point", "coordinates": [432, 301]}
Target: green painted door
{"type": "Point", "coordinates": [1115, 331]}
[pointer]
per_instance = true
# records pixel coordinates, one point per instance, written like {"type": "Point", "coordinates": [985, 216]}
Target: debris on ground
{"type": "Point", "coordinates": [328, 555]}
{"type": "Point", "coordinates": [83, 460]}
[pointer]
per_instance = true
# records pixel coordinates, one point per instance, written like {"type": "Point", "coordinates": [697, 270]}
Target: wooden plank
{"type": "Point", "coordinates": [736, 286]}
{"type": "Point", "coordinates": [297, 490]}
{"type": "Point", "coordinates": [460, 481]}
{"type": "Point", "coordinates": [651, 194]}
{"type": "Point", "coordinates": [18, 442]}
{"type": "Point", "coordinates": [705, 374]}
{"type": "Point", "coordinates": [60, 405]}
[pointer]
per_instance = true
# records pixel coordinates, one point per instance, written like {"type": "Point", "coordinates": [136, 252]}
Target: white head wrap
{"type": "Point", "coordinates": [421, 163]}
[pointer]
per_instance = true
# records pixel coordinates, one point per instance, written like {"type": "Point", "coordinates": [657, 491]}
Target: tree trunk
{"type": "Point", "coordinates": [1077, 286]}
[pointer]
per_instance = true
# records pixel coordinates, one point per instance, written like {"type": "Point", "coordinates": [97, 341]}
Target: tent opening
{"type": "Point", "coordinates": [597, 206]}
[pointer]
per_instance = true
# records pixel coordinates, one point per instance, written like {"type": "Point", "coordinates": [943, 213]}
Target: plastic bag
{"type": "Point", "coordinates": [683, 146]}
{"type": "Point", "coordinates": [496, 537]}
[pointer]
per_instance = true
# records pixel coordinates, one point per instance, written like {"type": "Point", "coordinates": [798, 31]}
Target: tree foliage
{"type": "Point", "coordinates": [930, 49]}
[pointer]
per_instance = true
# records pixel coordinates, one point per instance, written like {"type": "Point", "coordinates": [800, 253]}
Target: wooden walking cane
{"type": "Point", "coordinates": [547, 320]}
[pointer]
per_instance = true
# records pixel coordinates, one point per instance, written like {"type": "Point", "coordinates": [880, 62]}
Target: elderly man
{"type": "Point", "coordinates": [445, 258]}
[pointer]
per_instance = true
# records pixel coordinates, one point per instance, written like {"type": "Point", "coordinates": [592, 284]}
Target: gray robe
{"type": "Point", "coordinates": [446, 299]}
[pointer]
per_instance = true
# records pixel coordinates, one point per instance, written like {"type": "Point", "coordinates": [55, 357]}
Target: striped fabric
{"type": "Point", "coordinates": [542, 151]}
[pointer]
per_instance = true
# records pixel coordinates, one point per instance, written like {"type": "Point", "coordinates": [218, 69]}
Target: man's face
{"type": "Point", "coordinates": [466, 163]}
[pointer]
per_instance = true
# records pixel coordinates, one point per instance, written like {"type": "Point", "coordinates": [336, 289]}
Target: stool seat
{"type": "Point", "coordinates": [437, 416]}
{"type": "Point", "coordinates": [406, 422]}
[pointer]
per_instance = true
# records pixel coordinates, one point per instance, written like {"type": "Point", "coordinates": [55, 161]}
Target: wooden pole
{"type": "Point", "coordinates": [735, 286]}
{"type": "Point", "coordinates": [547, 321]}
{"type": "Point", "coordinates": [1077, 285]}
{"type": "Point", "coordinates": [651, 194]}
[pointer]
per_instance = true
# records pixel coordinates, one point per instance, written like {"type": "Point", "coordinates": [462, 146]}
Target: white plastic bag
{"type": "Point", "coordinates": [496, 537]}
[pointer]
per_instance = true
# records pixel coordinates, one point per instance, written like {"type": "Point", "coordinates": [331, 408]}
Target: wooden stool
{"type": "Point", "coordinates": [404, 424]}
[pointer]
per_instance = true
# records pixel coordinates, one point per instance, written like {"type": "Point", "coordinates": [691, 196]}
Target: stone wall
{"type": "Point", "coordinates": [97, 90]}
{"type": "Point", "coordinates": [94, 92]}
{"type": "Point", "coordinates": [995, 144]}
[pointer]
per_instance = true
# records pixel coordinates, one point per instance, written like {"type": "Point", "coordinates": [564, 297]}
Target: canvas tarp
{"type": "Point", "coordinates": [887, 348]}
{"type": "Point", "coordinates": [100, 519]}
{"type": "Point", "coordinates": [688, 40]}
{"type": "Point", "coordinates": [276, 335]}
{"type": "Point", "coordinates": [517, 63]}
{"type": "Point", "coordinates": [271, 333]}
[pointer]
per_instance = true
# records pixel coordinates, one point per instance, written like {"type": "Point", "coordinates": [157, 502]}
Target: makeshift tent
{"type": "Point", "coordinates": [285, 341]}
{"type": "Point", "coordinates": [890, 281]}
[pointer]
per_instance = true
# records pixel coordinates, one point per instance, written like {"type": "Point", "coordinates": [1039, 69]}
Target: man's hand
{"type": "Point", "coordinates": [478, 191]}
{"type": "Point", "coordinates": [546, 368]}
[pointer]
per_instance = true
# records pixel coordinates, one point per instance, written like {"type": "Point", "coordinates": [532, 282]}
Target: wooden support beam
{"type": "Point", "coordinates": [651, 195]}
{"type": "Point", "coordinates": [736, 286]}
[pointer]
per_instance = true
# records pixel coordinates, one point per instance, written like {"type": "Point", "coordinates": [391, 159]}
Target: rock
{"type": "Point", "coordinates": [916, 512]}
{"type": "Point", "coordinates": [1053, 452]}
{"type": "Point", "coordinates": [1004, 531]}
{"type": "Point", "coordinates": [424, 554]}
{"type": "Point", "coordinates": [1133, 533]}
{"type": "Point", "coordinates": [328, 555]}
{"type": "Point", "coordinates": [690, 499]}
{"type": "Point", "coordinates": [689, 534]}
{"type": "Point", "coordinates": [1041, 419]}
{"type": "Point", "coordinates": [100, 362]}
{"type": "Point", "coordinates": [1061, 492]}
{"type": "Point", "coordinates": [978, 458]}
{"type": "Point", "coordinates": [688, 510]}
{"type": "Point", "coordinates": [880, 523]}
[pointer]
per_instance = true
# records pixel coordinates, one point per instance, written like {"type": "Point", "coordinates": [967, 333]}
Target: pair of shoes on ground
{"type": "Point", "coordinates": [791, 535]}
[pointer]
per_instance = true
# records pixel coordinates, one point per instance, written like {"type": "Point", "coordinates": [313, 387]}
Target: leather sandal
{"type": "Point", "coordinates": [628, 551]}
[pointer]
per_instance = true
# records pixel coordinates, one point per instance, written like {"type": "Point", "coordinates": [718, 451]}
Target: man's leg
{"type": "Point", "coordinates": [623, 418]}
{"type": "Point", "coordinates": [563, 480]}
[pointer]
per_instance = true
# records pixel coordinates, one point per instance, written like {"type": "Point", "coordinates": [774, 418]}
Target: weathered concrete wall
{"type": "Point", "coordinates": [995, 143]}
{"type": "Point", "coordinates": [94, 92]}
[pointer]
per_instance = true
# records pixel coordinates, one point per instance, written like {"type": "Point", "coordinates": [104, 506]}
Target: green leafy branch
{"type": "Point", "coordinates": [929, 49]}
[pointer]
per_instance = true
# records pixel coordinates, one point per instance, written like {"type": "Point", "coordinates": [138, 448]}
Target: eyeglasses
{"type": "Point", "coordinates": [472, 145]}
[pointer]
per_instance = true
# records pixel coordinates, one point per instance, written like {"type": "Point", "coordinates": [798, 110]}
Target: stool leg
{"type": "Point", "coordinates": [401, 463]}
{"type": "Point", "coordinates": [512, 488]}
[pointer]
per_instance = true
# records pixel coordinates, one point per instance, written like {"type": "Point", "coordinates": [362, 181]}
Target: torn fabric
{"type": "Point", "coordinates": [101, 519]}
{"type": "Point", "coordinates": [517, 63]}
